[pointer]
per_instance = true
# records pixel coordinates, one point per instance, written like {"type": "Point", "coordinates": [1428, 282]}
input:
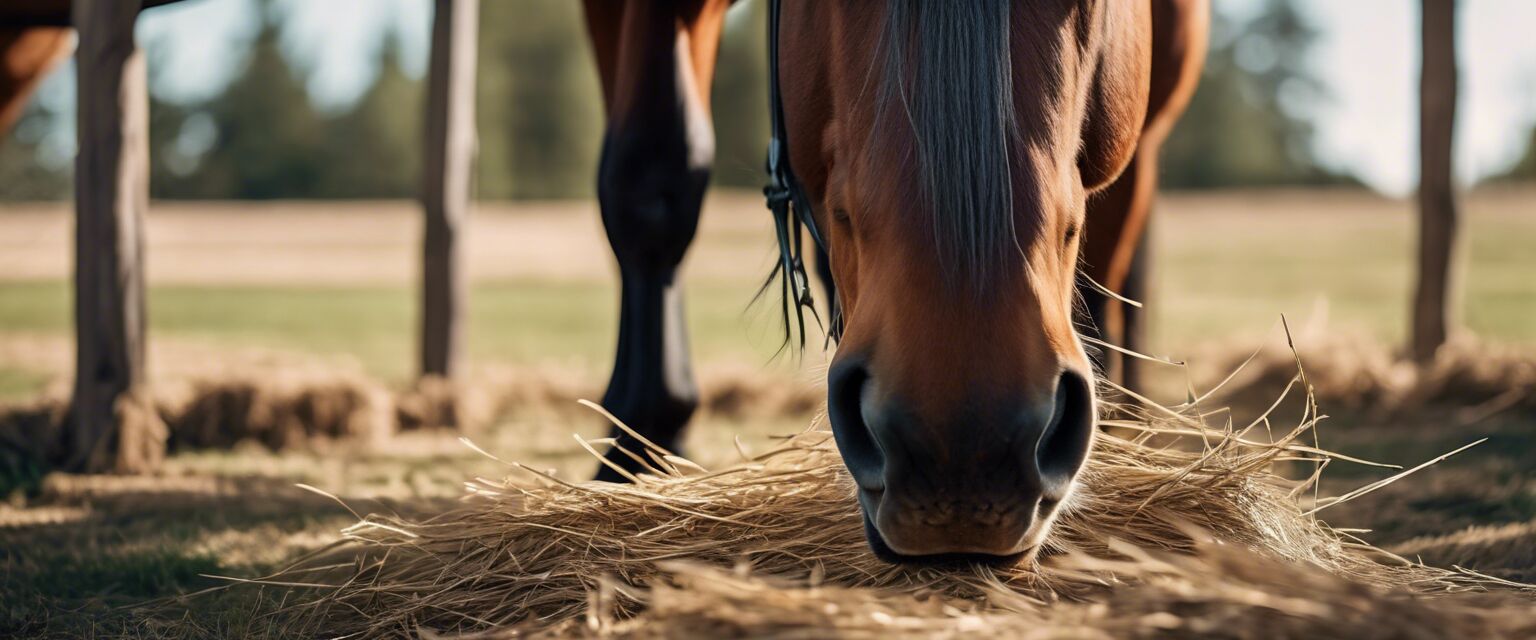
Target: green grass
{"type": "Point", "coordinates": [1218, 275]}
{"type": "Point", "coordinates": [111, 579]}
{"type": "Point", "coordinates": [19, 383]}
{"type": "Point", "coordinates": [1238, 278]}
{"type": "Point", "coordinates": [512, 321]}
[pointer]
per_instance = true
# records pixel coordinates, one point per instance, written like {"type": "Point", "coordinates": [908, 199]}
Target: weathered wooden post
{"type": "Point", "coordinates": [1432, 304]}
{"type": "Point", "coordinates": [445, 193]}
{"type": "Point", "coordinates": [112, 425]}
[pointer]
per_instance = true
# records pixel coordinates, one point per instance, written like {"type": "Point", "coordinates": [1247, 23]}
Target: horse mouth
{"type": "Point", "coordinates": [884, 552]}
{"type": "Point", "coordinates": [1003, 544]}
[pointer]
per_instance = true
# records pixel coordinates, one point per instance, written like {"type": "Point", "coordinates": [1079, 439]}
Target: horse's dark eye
{"type": "Point", "coordinates": [1072, 230]}
{"type": "Point", "coordinates": [841, 214]}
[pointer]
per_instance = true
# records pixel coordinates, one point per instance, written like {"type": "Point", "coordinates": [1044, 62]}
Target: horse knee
{"type": "Point", "coordinates": [651, 188]}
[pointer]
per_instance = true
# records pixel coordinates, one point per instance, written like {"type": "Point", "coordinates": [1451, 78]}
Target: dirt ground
{"type": "Point", "coordinates": [97, 556]}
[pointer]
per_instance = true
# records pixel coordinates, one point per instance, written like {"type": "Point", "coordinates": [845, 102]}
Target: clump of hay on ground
{"type": "Point", "coordinates": [1471, 379]}
{"type": "Point", "coordinates": [1512, 547]}
{"type": "Point", "coordinates": [280, 412]}
{"type": "Point", "coordinates": [306, 407]}
{"type": "Point", "coordinates": [1157, 540]}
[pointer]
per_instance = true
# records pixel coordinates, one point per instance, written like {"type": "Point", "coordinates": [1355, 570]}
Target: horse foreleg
{"type": "Point", "coordinates": [1115, 223]}
{"type": "Point", "coordinates": [1133, 320]}
{"type": "Point", "coordinates": [1114, 244]}
{"type": "Point", "coordinates": [654, 169]}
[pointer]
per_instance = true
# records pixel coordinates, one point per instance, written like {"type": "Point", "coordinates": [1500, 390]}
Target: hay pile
{"type": "Point", "coordinates": [1468, 381]}
{"type": "Point", "coordinates": [308, 407]}
{"type": "Point", "coordinates": [314, 407]}
{"type": "Point", "coordinates": [1158, 541]}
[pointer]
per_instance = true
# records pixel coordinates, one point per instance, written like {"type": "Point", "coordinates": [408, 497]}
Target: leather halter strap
{"type": "Point", "coordinates": [786, 197]}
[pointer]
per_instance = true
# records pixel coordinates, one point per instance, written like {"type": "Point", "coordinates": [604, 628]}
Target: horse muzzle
{"type": "Point", "coordinates": [986, 478]}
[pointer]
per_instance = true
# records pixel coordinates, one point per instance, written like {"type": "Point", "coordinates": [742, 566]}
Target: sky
{"type": "Point", "coordinates": [1366, 56]}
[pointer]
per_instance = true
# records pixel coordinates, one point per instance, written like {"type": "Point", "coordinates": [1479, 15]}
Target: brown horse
{"type": "Point", "coordinates": [26, 56]}
{"type": "Point", "coordinates": [34, 37]}
{"type": "Point", "coordinates": [962, 160]}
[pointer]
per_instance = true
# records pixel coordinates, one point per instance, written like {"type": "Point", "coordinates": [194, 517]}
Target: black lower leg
{"type": "Point", "coordinates": [650, 211]}
{"type": "Point", "coordinates": [651, 180]}
{"type": "Point", "coordinates": [652, 389]}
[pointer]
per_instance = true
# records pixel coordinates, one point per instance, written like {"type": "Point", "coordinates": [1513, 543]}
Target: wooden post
{"type": "Point", "coordinates": [112, 425]}
{"type": "Point", "coordinates": [1432, 306]}
{"type": "Point", "coordinates": [450, 152]}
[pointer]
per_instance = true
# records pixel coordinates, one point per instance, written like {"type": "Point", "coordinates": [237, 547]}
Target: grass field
{"type": "Point", "coordinates": [335, 281]}
{"type": "Point", "coordinates": [256, 289]}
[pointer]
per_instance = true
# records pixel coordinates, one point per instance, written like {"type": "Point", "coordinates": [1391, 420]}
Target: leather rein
{"type": "Point", "coordinates": [787, 200]}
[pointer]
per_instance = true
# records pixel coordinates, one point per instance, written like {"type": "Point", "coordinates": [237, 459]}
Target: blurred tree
{"type": "Point", "coordinates": [267, 139]}
{"type": "Point", "coordinates": [1525, 169]}
{"type": "Point", "coordinates": [740, 97]}
{"type": "Point", "coordinates": [25, 172]}
{"type": "Point", "coordinates": [540, 108]}
{"type": "Point", "coordinates": [541, 118]}
{"type": "Point", "coordinates": [374, 149]}
{"type": "Point", "coordinates": [1247, 124]}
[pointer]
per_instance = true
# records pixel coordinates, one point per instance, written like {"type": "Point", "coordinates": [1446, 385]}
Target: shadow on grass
{"type": "Point", "coordinates": [125, 551]}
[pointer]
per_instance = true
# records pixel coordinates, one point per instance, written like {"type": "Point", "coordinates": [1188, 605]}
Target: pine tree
{"type": "Point", "coordinates": [740, 100]}
{"type": "Point", "coordinates": [1245, 126]}
{"type": "Point", "coordinates": [1525, 169]}
{"type": "Point", "coordinates": [541, 117]}
{"type": "Point", "coordinates": [374, 149]}
{"type": "Point", "coordinates": [269, 137]}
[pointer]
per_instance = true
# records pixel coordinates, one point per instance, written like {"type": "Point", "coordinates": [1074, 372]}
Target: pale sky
{"type": "Point", "coordinates": [1366, 56]}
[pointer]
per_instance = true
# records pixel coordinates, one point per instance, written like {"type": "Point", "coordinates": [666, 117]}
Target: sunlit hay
{"type": "Point", "coordinates": [535, 552]}
{"type": "Point", "coordinates": [439, 403]}
{"type": "Point", "coordinates": [1474, 379]}
{"type": "Point", "coordinates": [1222, 592]}
{"type": "Point", "coordinates": [138, 442]}
{"type": "Point", "coordinates": [744, 392]}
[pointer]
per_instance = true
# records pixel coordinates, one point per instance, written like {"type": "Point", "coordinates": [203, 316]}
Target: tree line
{"type": "Point", "coordinates": [540, 118]}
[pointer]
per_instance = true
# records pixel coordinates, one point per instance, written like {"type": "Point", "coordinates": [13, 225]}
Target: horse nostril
{"type": "Point", "coordinates": [1064, 445]}
{"type": "Point", "coordinates": [846, 385]}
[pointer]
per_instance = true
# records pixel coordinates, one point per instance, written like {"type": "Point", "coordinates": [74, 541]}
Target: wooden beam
{"type": "Point", "coordinates": [49, 13]}
{"type": "Point", "coordinates": [112, 426]}
{"type": "Point", "coordinates": [1433, 301]}
{"type": "Point", "coordinates": [445, 194]}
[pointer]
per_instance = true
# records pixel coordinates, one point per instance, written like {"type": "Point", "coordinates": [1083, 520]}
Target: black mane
{"type": "Point", "coordinates": [948, 75]}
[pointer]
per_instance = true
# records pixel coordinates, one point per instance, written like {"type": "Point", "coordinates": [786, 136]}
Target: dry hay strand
{"type": "Point", "coordinates": [1156, 538]}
